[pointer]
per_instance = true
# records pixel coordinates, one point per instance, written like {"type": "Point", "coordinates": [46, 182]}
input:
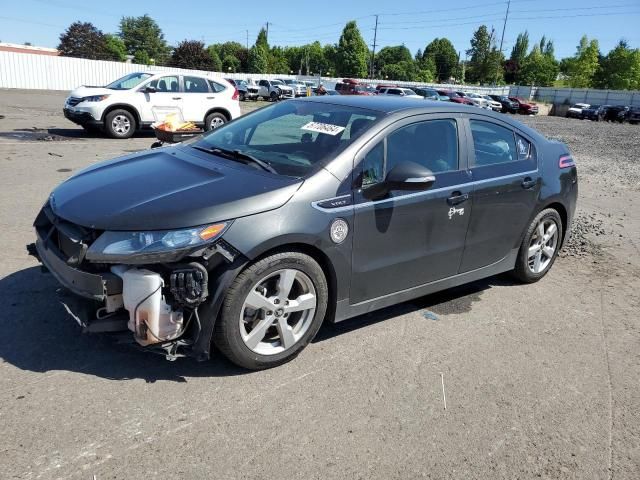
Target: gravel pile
{"type": "Point", "coordinates": [583, 229]}
{"type": "Point", "coordinates": [607, 152]}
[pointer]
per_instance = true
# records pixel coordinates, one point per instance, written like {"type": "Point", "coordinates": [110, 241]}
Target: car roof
{"type": "Point", "coordinates": [392, 105]}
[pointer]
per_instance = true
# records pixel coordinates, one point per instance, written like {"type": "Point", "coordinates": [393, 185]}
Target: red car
{"type": "Point", "coordinates": [455, 97]}
{"type": "Point", "coordinates": [352, 87]}
{"type": "Point", "coordinates": [524, 106]}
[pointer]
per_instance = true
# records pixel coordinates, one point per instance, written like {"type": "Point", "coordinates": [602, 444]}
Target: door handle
{"type": "Point", "coordinates": [210, 98]}
{"type": "Point", "coordinates": [457, 198]}
{"type": "Point", "coordinates": [528, 183]}
{"type": "Point", "coordinates": [177, 98]}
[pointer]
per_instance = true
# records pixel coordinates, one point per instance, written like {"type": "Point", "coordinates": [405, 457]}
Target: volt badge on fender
{"type": "Point", "coordinates": [339, 230]}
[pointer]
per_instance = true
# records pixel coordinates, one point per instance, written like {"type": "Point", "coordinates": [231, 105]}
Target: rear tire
{"type": "Point", "coordinates": [272, 310]}
{"type": "Point", "coordinates": [214, 120]}
{"type": "Point", "coordinates": [540, 246]}
{"type": "Point", "coordinates": [120, 124]}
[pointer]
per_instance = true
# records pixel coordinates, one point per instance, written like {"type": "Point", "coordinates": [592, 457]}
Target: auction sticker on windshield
{"type": "Point", "coordinates": [323, 128]}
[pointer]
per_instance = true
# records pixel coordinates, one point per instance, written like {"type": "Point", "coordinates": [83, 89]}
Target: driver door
{"type": "Point", "coordinates": [410, 238]}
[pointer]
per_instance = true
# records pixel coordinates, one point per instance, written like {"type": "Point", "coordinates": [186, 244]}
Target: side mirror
{"type": "Point", "coordinates": [409, 176]}
{"type": "Point", "coordinates": [150, 90]}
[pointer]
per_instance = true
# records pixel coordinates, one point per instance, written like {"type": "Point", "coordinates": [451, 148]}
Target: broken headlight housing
{"type": "Point", "coordinates": [150, 246]}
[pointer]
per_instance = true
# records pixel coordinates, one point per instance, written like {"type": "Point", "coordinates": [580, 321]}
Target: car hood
{"type": "Point", "coordinates": [168, 188]}
{"type": "Point", "coordinates": [86, 91]}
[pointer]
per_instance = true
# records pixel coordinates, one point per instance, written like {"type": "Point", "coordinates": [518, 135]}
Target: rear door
{"type": "Point", "coordinates": [197, 98]}
{"type": "Point", "coordinates": [410, 238]}
{"type": "Point", "coordinates": [506, 185]}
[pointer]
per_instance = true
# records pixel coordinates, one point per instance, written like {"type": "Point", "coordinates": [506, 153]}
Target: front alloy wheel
{"type": "Point", "coordinates": [272, 310]}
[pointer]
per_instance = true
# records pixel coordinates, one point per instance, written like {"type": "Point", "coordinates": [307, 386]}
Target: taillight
{"type": "Point", "coordinates": [236, 94]}
{"type": "Point", "coordinates": [566, 161]}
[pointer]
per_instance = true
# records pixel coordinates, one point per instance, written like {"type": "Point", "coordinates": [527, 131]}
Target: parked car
{"type": "Point", "coordinates": [399, 92]}
{"type": "Point", "coordinates": [455, 97]}
{"type": "Point", "coordinates": [129, 103]}
{"type": "Point", "coordinates": [633, 116]}
{"type": "Point", "coordinates": [525, 107]}
{"type": "Point", "coordinates": [251, 236]}
{"type": "Point", "coordinates": [594, 112]}
{"type": "Point", "coordinates": [616, 113]}
{"type": "Point", "coordinates": [274, 90]}
{"type": "Point", "coordinates": [352, 87]}
{"type": "Point", "coordinates": [477, 99]}
{"type": "Point", "coordinates": [575, 111]}
{"type": "Point", "coordinates": [430, 94]}
{"type": "Point", "coordinates": [246, 91]}
{"type": "Point", "coordinates": [493, 104]}
{"type": "Point", "coordinates": [508, 105]}
{"type": "Point", "coordinates": [299, 88]}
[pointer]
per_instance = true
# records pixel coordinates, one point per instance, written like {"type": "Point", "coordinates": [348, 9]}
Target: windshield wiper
{"type": "Point", "coordinates": [237, 156]}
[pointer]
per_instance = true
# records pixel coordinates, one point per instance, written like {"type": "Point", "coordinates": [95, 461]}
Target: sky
{"type": "Point", "coordinates": [413, 23]}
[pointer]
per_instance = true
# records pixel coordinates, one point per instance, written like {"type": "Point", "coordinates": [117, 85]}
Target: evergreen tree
{"type": "Point", "coordinates": [352, 53]}
{"type": "Point", "coordinates": [258, 60]}
{"type": "Point", "coordinates": [142, 34]}
{"type": "Point", "coordinates": [445, 58]}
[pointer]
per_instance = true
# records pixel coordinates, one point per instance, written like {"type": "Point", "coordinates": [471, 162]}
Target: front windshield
{"type": "Point", "coordinates": [128, 82]}
{"type": "Point", "coordinates": [295, 137]}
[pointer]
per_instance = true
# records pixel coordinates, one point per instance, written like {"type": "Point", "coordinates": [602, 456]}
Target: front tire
{"type": "Point", "coordinates": [120, 124]}
{"type": "Point", "coordinates": [540, 246]}
{"type": "Point", "coordinates": [272, 311]}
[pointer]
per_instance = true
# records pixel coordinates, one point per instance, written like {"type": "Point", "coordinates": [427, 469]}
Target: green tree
{"type": "Point", "coordinates": [330, 55]}
{"type": "Point", "coordinates": [262, 40]}
{"type": "Point", "coordinates": [142, 34]}
{"type": "Point", "coordinates": [258, 60]}
{"type": "Point", "coordinates": [519, 51]}
{"type": "Point", "coordinates": [445, 58]}
{"type": "Point", "coordinates": [191, 54]}
{"type": "Point", "coordinates": [231, 64]}
{"type": "Point", "coordinates": [141, 57]}
{"type": "Point", "coordinates": [581, 69]}
{"type": "Point", "coordinates": [619, 69]}
{"type": "Point", "coordinates": [115, 48]}
{"type": "Point", "coordinates": [538, 68]}
{"type": "Point", "coordinates": [278, 62]}
{"type": "Point", "coordinates": [392, 55]}
{"type": "Point", "coordinates": [83, 40]}
{"type": "Point", "coordinates": [216, 63]}
{"type": "Point", "coordinates": [408, 71]}
{"type": "Point", "coordinates": [485, 59]}
{"type": "Point", "coordinates": [352, 53]}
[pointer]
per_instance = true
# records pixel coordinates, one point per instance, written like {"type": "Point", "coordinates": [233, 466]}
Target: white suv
{"type": "Point", "coordinates": [129, 103]}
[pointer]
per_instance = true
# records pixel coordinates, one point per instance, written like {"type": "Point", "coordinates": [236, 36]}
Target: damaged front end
{"type": "Point", "coordinates": [153, 285]}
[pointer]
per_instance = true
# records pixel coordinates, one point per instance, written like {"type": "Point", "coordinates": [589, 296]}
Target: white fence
{"type": "Point", "coordinates": [559, 96]}
{"type": "Point", "coordinates": [30, 71]}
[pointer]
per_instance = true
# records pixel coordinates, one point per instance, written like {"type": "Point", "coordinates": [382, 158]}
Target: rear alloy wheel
{"type": "Point", "coordinates": [214, 120]}
{"type": "Point", "coordinates": [120, 124]}
{"type": "Point", "coordinates": [539, 247]}
{"type": "Point", "coordinates": [272, 311]}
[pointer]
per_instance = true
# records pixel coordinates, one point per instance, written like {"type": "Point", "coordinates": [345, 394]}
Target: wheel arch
{"type": "Point", "coordinates": [562, 211]}
{"type": "Point", "coordinates": [123, 106]}
{"type": "Point", "coordinates": [221, 110]}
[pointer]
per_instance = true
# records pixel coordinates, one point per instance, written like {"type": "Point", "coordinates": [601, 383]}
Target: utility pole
{"type": "Point", "coordinates": [247, 39]}
{"type": "Point", "coordinates": [373, 53]}
{"type": "Point", "coordinates": [504, 26]}
{"type": "Point", "coordinates": [267, 31]}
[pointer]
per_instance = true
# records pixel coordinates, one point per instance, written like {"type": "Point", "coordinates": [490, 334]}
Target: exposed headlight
{"type": "Point", "coordinates": [95, 98]}
{"type": "Point", "coordinates": [158, 245]}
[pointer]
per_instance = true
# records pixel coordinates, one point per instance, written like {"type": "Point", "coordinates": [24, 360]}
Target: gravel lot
{"type": "Point", "coordinates": [541, 380]}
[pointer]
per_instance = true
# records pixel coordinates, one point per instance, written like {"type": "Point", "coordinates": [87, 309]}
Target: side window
{"type": "Point", "coordinates": [493, 144]}
{"type": "Point", "coordinates": [165, 84]}
{"type": "Point", "coordinates": [216, 87]}
{"type": "Point", "coordinates": [525, 150]}
{"type": "Point", "coordinates": [195, 85]}
{"type": "Point", "coordinates": [373, 165]}
{"type": "Point", "coordinates": [433, 143]}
